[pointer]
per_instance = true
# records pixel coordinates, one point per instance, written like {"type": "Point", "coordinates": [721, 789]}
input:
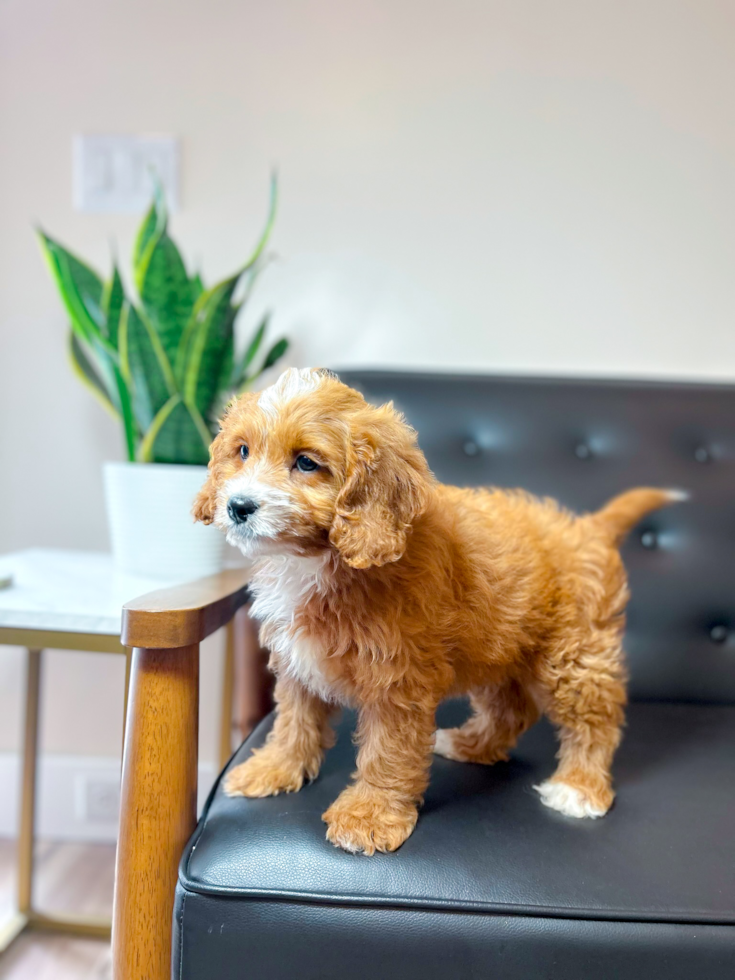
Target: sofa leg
{"type": "Point", "coordinates": [157, 809]}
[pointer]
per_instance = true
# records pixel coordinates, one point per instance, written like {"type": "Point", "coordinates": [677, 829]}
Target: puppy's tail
{"type": "Point", "coordinates": [622, 513]}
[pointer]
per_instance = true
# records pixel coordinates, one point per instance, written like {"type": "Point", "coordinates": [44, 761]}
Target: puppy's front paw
{"type": "Point", "coordinates": [264, 774]}
{"type": "Point", "coordinates": [365, 820]}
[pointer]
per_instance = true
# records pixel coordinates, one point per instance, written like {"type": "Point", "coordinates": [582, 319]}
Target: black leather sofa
{"type": "Point", "coordinates": [492, 884]}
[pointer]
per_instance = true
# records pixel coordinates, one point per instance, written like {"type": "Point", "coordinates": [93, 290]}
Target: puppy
{"type": "Point", "coordinates": [379, 587]}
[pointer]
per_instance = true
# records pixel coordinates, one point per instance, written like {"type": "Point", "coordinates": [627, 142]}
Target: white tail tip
{"type": "Point", "coordinates": [676, 495]}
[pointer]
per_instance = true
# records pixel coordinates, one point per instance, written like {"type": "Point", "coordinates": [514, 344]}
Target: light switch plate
{"type": "Point", "coordinates": [113, 174]}
{"type": "Point", "coordinates": [97, 797]}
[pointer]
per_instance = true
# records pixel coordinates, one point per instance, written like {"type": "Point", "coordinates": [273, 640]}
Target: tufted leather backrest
{"type": "Point", "coordinates": [582, 442]}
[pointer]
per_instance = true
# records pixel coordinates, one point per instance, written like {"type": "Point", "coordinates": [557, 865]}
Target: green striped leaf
{"type": "Point", "coordinates": [146, 448]}
{"type": "Point", "coordinates": [197, 286]}
{"type": "Point", "coordinates": [113, 298]}
{"type": "Point", "coordinates": [240, 372]}
{"type": "Point", "coordinates": [166, 293]}
{"type": "Point", "coordinates": [274, 354]}
{"type": "Point", "coordinates": [81, 293]}
{"type": "Point", "coordinates": [205, 361]}
{"type": "Point", "coordinates": [126, 411]}
{"type": "Point", "coordinates": [80, 289]}
{"type": "Point", "coordinates": [209, 346]}
{"type": "Point", "coordinates": [145, 366]}
{"type": "Point", "coordinates": [177, 435]}
{"type": "Point", "coordinates": [182, 354]}
{"type": "Point", "coordinates": [154, 223]}
{"type": "Point", "coordinates": [87, 373]}
{"type": "Point", "coordinates": [270, 221]}
{"type": "Point", "coordinates": [192, 358]}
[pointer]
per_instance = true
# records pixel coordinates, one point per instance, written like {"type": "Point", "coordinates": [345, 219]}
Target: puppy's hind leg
{"type": "Point", "coordinates": [586, 703]}
{"type": "Point", "coordinates": [500, 716]}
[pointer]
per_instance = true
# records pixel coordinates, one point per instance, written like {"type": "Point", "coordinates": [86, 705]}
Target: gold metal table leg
{"type": "Point", "coordinates": [26, 837]}
{"type": "Point", "coordinates": [27, 917]}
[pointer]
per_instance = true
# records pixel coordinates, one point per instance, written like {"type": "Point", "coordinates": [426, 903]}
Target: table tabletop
{"type": "Point", "coordinates": [77, 592]}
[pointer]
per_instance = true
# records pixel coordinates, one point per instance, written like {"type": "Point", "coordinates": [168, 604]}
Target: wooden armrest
{"type": "Point", "coordinates": [159, 777]}
{"type": "Point", "coordinates": [184, 614]}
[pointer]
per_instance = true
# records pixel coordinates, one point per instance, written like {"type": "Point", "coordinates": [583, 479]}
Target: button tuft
{"type": "Point", "coordinates": [702, 454]}
{"type": "Point", "coordinates": [719, 633]}
{"type": "Point", "coordinates": [470, 448]}
{"type": "Point", "coordinates": [582, 451]}
{"type": "Point", "coordinates": [649, 539]}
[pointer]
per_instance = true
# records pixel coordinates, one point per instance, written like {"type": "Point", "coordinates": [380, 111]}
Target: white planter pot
{"type": "Point", "coordinates": [151, 527]}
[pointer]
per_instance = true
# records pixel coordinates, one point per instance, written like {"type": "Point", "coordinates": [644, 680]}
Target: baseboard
{"type": "Point", "coordinates": [77, 797]}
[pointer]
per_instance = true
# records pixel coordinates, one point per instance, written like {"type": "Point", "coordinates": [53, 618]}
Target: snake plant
{"type": "Point", "coordinates": [164, 361]}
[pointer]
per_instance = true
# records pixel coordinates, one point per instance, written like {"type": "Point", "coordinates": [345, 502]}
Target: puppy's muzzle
{"type": "Point", "coordinates": [240, 508]}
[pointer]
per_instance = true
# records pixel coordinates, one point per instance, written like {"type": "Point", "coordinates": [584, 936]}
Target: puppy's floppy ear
{"type": "Point", "coordinates": [385, 490]}
{"type": "Point", "coordinates": [205, 502]}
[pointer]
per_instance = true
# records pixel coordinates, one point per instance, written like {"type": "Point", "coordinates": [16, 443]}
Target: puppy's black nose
{"type": "Point", "coordinates": [240, 508]}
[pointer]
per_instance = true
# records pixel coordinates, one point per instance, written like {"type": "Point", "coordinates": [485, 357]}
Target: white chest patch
{"type": "Point", "coordinates": [303, 662]}
{"type": "Point", "coordinates": [280, 586]}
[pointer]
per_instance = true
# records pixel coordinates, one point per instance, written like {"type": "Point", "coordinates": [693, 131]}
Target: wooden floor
{"type": "Point", "coordinates": [70, 878]}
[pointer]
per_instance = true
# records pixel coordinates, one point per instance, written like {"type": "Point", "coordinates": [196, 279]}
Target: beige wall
{"type": "Point", "coordinates": [512, 186]}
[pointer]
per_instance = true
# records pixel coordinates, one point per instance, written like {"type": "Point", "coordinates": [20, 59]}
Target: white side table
{"type": "Point", "coordinates": [64, 600]}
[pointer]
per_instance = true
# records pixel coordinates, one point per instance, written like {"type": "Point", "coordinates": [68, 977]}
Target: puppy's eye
{"type": "Point", "coordinates": [244, 452]}
{"type": "Point", "coordinates": [306, 464]}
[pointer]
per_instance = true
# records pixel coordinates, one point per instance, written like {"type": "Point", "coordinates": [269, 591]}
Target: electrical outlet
{"type": "Point", "coordinates": [98, 798]}
{"type": "Point", "coordinates": [114, 174]}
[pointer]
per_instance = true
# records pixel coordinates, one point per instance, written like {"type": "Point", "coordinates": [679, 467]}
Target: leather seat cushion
{"type": "Point", "coordinates": [655, 874]}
